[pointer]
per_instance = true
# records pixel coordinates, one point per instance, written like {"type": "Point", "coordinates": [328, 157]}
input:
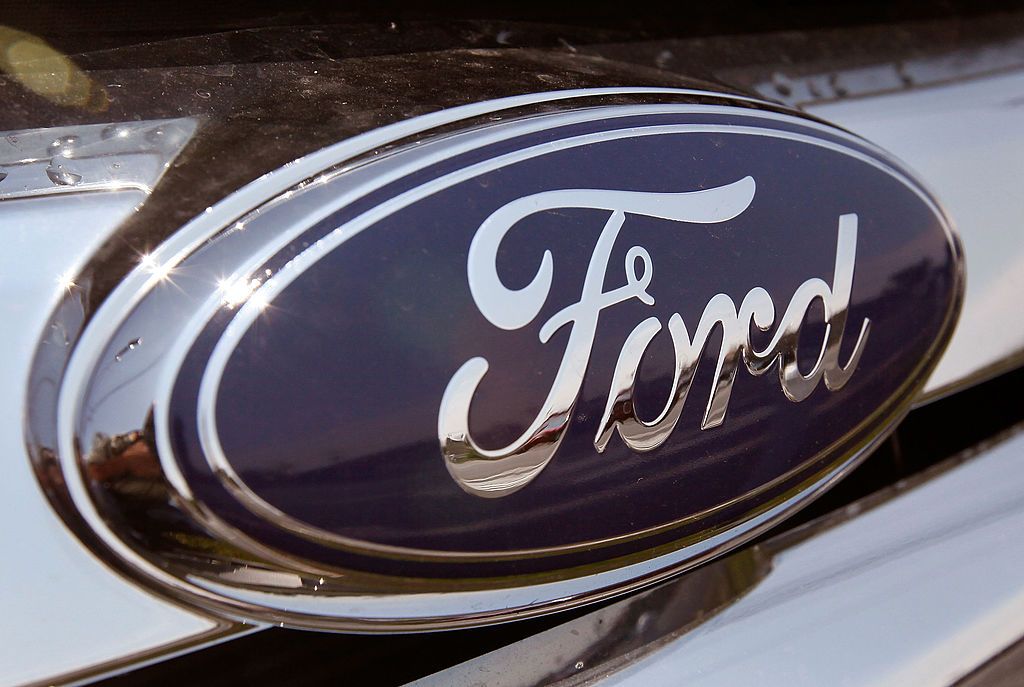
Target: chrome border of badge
{"type": "Point", "coordinates": [254, 581]}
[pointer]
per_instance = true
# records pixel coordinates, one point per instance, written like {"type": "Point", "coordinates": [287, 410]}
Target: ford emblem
{"type": "Point", "coordinates": [500, 359]}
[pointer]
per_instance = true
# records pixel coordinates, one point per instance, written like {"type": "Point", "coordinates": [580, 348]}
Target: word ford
{"type": "Point", "coordinates": [494, 473]}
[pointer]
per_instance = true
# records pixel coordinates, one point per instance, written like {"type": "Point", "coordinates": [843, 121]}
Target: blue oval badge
{"type": "Point", "coordinates": [518, 366]}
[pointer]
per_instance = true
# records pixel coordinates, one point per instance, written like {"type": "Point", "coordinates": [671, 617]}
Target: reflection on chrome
{"type": "Point", "coordinates": [499, 472]}
{"type": "Point", "coordinates": [243, 289]}
{"type": "Point", "coordinates": [66, 281]}
{"type": "Point", "coordinates": [155, 267]}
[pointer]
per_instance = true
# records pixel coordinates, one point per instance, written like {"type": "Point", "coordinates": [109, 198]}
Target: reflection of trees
{"type": "Point", "coordinates": [918, 293]}
{"type": "Point", "coordinates": [917, 280]}
{"type": "Point", "coordinates": [128, 483]}
{"type": "Point", "coordinates": [122, 459]}
{"type": "Point", "coordinates": [48, 472]}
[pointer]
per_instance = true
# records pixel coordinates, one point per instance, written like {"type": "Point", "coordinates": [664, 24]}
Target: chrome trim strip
{"type": "Point", "coordinates": [223, 631]}
{"type": "Point", "coordinates": [917, 584]}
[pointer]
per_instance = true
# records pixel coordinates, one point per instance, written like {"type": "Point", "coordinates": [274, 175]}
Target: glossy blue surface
{"type": "Point", "coordinates": [329, 404]}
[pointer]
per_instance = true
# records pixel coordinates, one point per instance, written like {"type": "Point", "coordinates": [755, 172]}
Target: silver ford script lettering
{"type": "Point", "coordinates": [499, 472]}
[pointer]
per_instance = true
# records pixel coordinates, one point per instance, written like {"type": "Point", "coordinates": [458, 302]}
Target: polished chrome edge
{"type": "Point", "coordinates": [61, 600]}
{"type": "Point", "coordinates": [408, 612]}
{"type": "Point", "coordinates": [223, 632]}
{"type": "Point", "coordinates": [1002, 670]}
{"type": "Point", "coordinates": [985, 374]}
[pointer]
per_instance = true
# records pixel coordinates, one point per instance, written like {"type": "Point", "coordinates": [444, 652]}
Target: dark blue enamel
{"type": "Point", "coordinates": [328, 406]}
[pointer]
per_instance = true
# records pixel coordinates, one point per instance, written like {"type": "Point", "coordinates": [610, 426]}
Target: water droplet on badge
{"type": "Point", "coordinates": [64, 146]}
{"type": "Point", "coordinates": [60, 175]}
{"type": "Point", "coordinates": [115, 131]}
{"type": "Point", "coordinates": [132, 345]}
{"type": "Point", "coordinates": [59, 335]}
